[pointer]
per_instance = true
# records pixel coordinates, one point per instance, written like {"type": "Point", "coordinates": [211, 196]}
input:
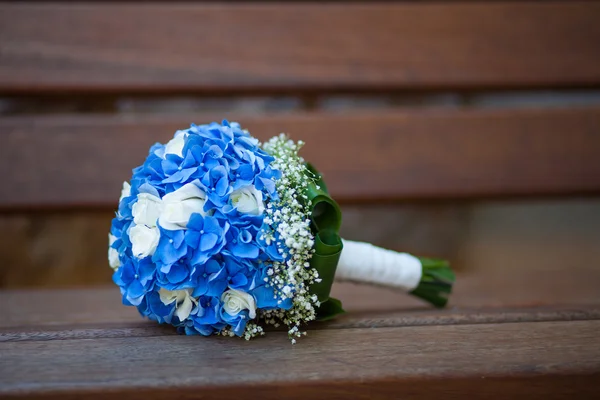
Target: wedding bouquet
{"type": "Point", "coordinates": [217, 233]}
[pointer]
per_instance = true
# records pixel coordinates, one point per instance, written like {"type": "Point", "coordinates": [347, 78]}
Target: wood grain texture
{"type": "Point", "coordinates": [134, 326]}
{"type": "Point", "coordinates": [407, 357]}
{"type": "Point", "coordinates": [538, 387]}
{"type": "Point", "coordinates": [84, 343]}
{"type": "Point", "coordinates": [564, 386]}
{"type": "Point", "coordinates": [530, 292]}
{"type": "Point", "coordinates": [82, 160]}
{"type": "Point", "coordinates": [241, 47]}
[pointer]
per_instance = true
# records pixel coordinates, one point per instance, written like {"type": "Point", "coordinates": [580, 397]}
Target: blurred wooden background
{"type": "Point", "coordinates": [59, 249]}
{"type": "Point", "coordinates": [403, 59]}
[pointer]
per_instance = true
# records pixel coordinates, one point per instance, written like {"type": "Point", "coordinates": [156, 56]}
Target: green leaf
{"type": "Point", "coordinates": [326, 219]}
{"type": "Point", "coordinates": [328, 248]}
{"type": "Point", "coordinates": [326, 214]}
{"type": "Point", "coordinates": [330, 309]}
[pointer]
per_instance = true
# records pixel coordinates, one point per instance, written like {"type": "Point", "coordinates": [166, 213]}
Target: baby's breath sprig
{"type": "Point", "coordinates": [288, 221]}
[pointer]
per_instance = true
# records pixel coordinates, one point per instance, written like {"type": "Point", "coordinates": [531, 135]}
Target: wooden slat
{"type": "Point", "coordinates": [540, 293]}
{"type": "Point", "coordinates": [341, 362]}
{"type": "Point", "coordinates": [531, 294]}
{"type": "Point", "coordinates": [501, 335]}
{"type": "Point", "coordinates": [82, 160]}
{"type": "Point", "coordinates": [581, 386]}
{"type": "Point", "coordinates": [136, 327]}
{"type": "Point", "coordinates": [110, 47]}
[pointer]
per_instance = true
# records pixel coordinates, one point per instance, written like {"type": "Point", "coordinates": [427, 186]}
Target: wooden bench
{"type": "Point", "coordinates": [523, 336]}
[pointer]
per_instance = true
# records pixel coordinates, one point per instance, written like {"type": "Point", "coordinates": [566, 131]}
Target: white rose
{"type": "Point", "coordinates": [184, 302]}
{"type": "Point", "coordinates": [125, 191]}
{"type": "Point", "coordinates": [146, 209]}
{"type": "Point", "coordinates": [143, 240]}
{"type": "Point", "coordinates": [178, 206]}
{"type": "Point", "coordinates": [248, 200]}
{"type": "Point", "coordinates": [234, 301]}
{"type": "Point", "coordinates": [175, 145]}
{"type": "Point", "coordinates": [113, 254]}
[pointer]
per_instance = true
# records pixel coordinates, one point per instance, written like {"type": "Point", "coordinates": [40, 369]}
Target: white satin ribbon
{"type": "Point", "coordinates": [364, 263]}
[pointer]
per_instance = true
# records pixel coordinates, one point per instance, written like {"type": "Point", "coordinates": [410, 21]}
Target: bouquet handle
{"type": "Point", "coordinates": [426, 278]}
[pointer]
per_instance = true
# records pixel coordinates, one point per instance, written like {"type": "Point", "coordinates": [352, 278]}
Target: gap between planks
{"type": "Point", "coordinates": [356, 320]}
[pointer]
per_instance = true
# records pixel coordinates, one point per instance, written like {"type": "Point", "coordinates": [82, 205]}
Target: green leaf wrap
{"type": "Point", "coordinates": [326, 219]}
{"type": "Point", "coordinates": [436, 282]}
{"type": "Point", "coordinates": [330, 309]}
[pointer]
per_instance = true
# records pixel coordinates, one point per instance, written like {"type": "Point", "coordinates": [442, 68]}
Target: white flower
{"type": "Point", "coordinates": [143, 240]}
{"type": "Point", "coordinates": [178, 206]}
{"type": "Point", "coordinates": [113, 254]}
{"type": "Point", "coordinates": [184, 302]}
{"type": "Point", "coordinates": [146, 209]}
{"type": "Point", "coordinates": [248, 200]}
{"type": "Point", "coordinates": [125, 191]}
{"type": "Point", "coordinates": [175, 145]}
{"type": "Point", "coordinates": [234, 301]}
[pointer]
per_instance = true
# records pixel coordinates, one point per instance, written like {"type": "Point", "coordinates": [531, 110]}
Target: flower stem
{"type": "Point", "coordinates": [436, 281]}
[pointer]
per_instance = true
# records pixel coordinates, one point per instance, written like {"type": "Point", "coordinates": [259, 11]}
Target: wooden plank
{"type": "Point", "coordinates": [82, 160]}
{"type": "Point", "coordinates": [535, 294]}
{"type": "Point", "coordinates": [331, 363]}
{"type": "Point", "coordinates": [582, 386]}
{"type": "Point", "coordinates": [273, 47]}
{"type": "Point", "coordinates": [136, 327]}
{"type": "Point", "coordinates": [74, 343]}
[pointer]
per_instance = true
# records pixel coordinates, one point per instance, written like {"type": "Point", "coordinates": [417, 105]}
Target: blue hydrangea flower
{"type": "Point", "coordinates": [176, 276]}
{"type": "Point", "coordinates": [206, 320]}
{"type": "Point", "coordinates": [156, 310]}
{"type": "Point", "coordinates": [204, 243]}
{"type": "Point", "coordinates": [237, 322]}
{"type": "Point", "coordinates": [206, 235]}
{"type": "Point", "coordinates": [210, 278]}
{"type": "Point", "coordinates": [136, 279]}
{"type": "Point", "coordinates": [171, 248]}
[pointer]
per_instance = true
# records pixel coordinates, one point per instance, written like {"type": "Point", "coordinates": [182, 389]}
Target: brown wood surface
{"type": "Point", "coordinates": [406, 356]}
{"type": "Point", "coordinates": [516, 336]}
{"type": "Point", "coordinates": [540, 386]}
{"type": "Point", "coordinates": [512, 292]}
{"type": "Point", "coordinates": [59, 47]}
{"type": "Point", "coordinates": [133, 326]}
{"type": "Point", "coordinates": [81, 160]}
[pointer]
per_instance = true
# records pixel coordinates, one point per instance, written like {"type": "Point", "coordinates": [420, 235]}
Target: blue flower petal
{"type": "Point", "coordinates": [244, 250]}
{"type": "Point", "coordinates": [265, 297]}
{"type": "Point", "coordinates": [208, 241]}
